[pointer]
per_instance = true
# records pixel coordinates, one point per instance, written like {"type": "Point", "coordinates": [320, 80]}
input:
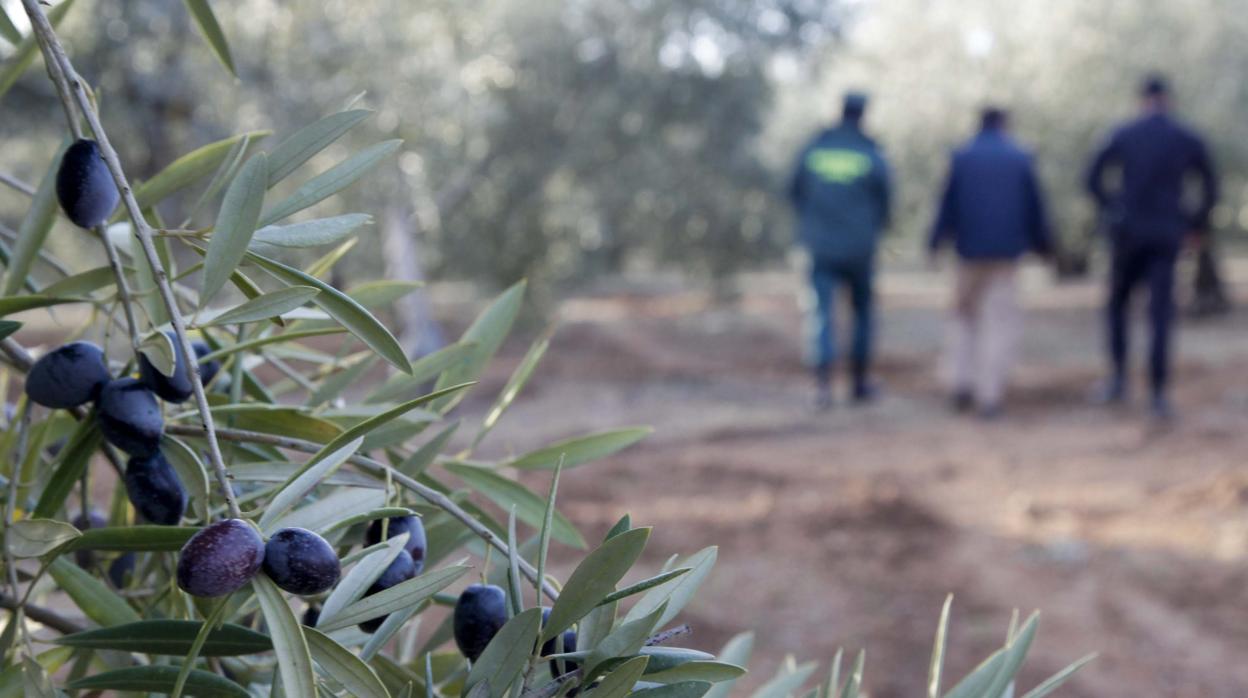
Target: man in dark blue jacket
{"type": "Point", "coordinates": [840, 190]}
{"type": "Point", "coordinates": [993, 212]}
{"type": "Point", "coordinates": [1148, 223]}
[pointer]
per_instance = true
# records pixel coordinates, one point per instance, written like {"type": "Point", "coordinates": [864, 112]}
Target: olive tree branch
{"type": "Point", "coordinates": [379, 470]}
{"type": "Point", "coordinates": [54, 52]}
{"type": "Point", "coordinates": [16, 184]}
{"type": "Point", "coordinates": [39, 614]}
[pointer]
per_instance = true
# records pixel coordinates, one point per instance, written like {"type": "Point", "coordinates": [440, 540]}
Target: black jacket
{"type": "Point", "coordinates": [1155, 154]}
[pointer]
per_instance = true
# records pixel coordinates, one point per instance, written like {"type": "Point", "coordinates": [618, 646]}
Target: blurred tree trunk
{"type": "Point", "coordinates": [401, 235]}
{"type": "Point", "coordinates": [1209, 295]}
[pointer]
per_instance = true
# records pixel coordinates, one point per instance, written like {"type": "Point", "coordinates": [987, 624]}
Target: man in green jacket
{"type": "Point", "coordinates": [840, 191]}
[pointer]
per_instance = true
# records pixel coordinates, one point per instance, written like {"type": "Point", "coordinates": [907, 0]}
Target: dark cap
{"type": "Point", "coordinates": [855, 103]}
{"type": "Point", "coordinates": [1154, 85]}
{"type": "Point", "coordinates": [992, 118]}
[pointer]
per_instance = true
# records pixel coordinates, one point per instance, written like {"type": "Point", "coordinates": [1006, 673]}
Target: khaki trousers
{"type": "Point", "coordinates": [984, 328]}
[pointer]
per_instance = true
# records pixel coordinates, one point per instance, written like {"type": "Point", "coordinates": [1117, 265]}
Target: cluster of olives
{"type": "Point", "coordinates": [481, 611]}
{"type": "Point", "coordinates": [408, 564]}
{"type": "Point", "coordinates": [128, 415]}
{"type": "Point", "coordinates": [223, 557]}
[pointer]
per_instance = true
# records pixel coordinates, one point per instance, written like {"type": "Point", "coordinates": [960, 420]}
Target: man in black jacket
{"type": "Point", "coordinates": [992, 210]}
{"type": "Point", "coordinates": [1148, 224]}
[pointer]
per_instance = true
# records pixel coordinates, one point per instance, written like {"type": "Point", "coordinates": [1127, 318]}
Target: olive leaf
{"type": "Point", "coordinates": [36, 537]}
{"type": "Point", "coordinates": [236, 223]}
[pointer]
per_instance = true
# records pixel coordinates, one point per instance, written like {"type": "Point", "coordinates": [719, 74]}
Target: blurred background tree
{"type": "Point", "coordinates": [569, 140]}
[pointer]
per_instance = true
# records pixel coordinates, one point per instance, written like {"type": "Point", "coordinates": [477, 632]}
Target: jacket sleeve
{"type": "Point", "coordinates": [1037, 214]}
{"type": "Point", "coordinates": [883, 180]}
{"type": "Point", "coordinates": [1203, 165]}
{"type": "Point", "coordinates": [1095, 180]}
{"type": "Point", "coordinates": [946, 217]}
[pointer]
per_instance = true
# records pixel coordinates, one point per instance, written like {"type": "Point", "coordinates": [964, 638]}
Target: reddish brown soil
{"type": "Point", "coordinates": [847, 528]}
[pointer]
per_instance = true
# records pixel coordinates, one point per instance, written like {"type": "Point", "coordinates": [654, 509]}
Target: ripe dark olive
{"type": "Point", "coordinates": [399, 571]}
{"type": "Point", "coordinates": [207, 371]}
{"type": "Point", "coordinates": [301, 562]}
{"type": "Point", "coordinates": [121, 568]}
{"type": "Point", "coordinates": [220, 559]}
{"type": "Point", "coordinates": [311, 616]}
{"type": "Point", "coordinates": [86, 558]}
{"type": "Point", "coordinates": [129, 417]}
{"type": "Point", "coordinates": [410, 525]}
{"type": "Point", "coordinates": [569, 645]}
{"type": "Point", "coordinates": [175, 388]}
{"type": "Point", "coordinates": [155, 490]}
{"type": "Point", "coordinates": [480, 611]}
{"type": "Point", "coordinates": [67, 376]}
{"type": "Point", "coordinates": [84, 186]}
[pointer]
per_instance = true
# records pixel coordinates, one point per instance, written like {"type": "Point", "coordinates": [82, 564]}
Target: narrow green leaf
{"type": "Point", "coordinates": [70, 463]}
{"type": "Point", "coordinates": [548, 518]}
{"type": "Point", "coordinates": [594, 578]}
{"type": "Point", "coordinates": [160, 678]}
{"type": "Point", "coordinates": [507, 654]}
{"type": "Point", "coordinates": [34, 228]}
{"type": "Point", "coordinates": [21, 58]}
{"type": "Point", "coordinates": [207, 22]}
{"type": "Point", "coordinates": [133, 538]}
{"type": "Point", "coordinates": [974, 684]}
{"type": "Point", "coordinates": [308, 478]}
{"type": "Point", "coordinates": [1015, 653]}
{"type": "Point", "coordinates": [423, 457]}
{"type": "Point", "coordinates": [275, 419]}
{"type": "Point", "coordinates": [36, 537]}
{"type": "Point", "coordinates": [8, 327]}
{"type": "Point", "coordinates": [333, 386]}
{"type": "Point", "coordinates": [314, 233]}
{"type": "Point", "coordinates": [683, 689]}
{"type": "Point", "coordinates": [188, 169]}
{"type": "Point", "coordinates": [96, 600]}
{"type": "Point", "coordinates": [81, 284]}
{"type": "Point", "coordinates": [344, 667]}
{"type": "Point", "coordinates": [645, 584]}
{"type": "Point", "coordinates": [699, 670]}
{"type": "Point", "coordinates": [236, 223]}
{"type": "Point", "coordinates": [397, 598]}
{"type": "Point", "coordinates": [530, 508]}
{"type": "Point", "coordinates": [515, 384]}
{"type": "Point", "coordinates": [293, 659]}
{"type": "Point", "coordinates": [342, 502]}
{"type": "Point", "coordinates": [626, 640]}
{"type": "Point", "coordinates": [265, 341]}
{"type": "Point", "coordinates": [347, 312]}
{"type": "Point", "coordinates": [301, 145]}
{"type": "Point", "coordinates": [736, 651]}
{"type": "Point", "coordinates": [157, 347]}
{"type": "Point", "coordinates": [485, 334]}
{"type": "Point", "coordinates": [17, 304]}
{"type": "Point", "coordinates": [330, 182]}
{"type": "Point", "coordinates": [785, 681]}
{"type": "Point", "coordinates": [369, 516]}
{"type": "Point", "coordinates": [938, 650]}
{"type": "Point", "coordinates": [170, 637]}
{"type": "Point", "coordinates": [8, 30]}
{"type": "Point", "coordinates": [263, 307]}
{"type": "Point", "coordinates": [625, 523]}
{"type": "Point", "coordinates": [619, 683]}
{"type": "Point", "coordinates": [382, 292]}
{"type": "Point", "coordinates": [581, 449]}
{"type": "Point", "coordinates": [423, 370]}
{"type": "Point", "coordinates": [1055, 681]}
{"type": "Point", "coordinates": [515, 595]}
{"type": "Point", "coordinates": [191, 472]}
{"type": "Point", "coordinates": [11, 683]}
{"type": "Point", "coordinates": [355, 582]}
{"type": "Point", "coordinates": [678, 592]}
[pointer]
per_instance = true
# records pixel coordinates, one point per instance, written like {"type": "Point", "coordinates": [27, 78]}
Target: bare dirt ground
{"type": "Point", "coordinates": [847, 528]}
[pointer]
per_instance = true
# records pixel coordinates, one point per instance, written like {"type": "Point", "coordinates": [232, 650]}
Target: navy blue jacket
{"type": "Point", "coordinates": [1155, 153]}
{"type": "Point", "coordinates": [840, 190]}
{"type": "Point", "coordinates": [992, 207]}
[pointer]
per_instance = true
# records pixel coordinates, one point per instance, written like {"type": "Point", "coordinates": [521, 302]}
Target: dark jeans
{"type": "Point", "coordinates": [825, 276]}
{"type": "Point", "coordinates": [1134, 265]}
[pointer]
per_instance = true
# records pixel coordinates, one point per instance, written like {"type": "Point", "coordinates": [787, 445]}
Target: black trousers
{"type": "Point", "coordinates": [1134, 265]}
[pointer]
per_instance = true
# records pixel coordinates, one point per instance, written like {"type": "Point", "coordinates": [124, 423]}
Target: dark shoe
{"type": "Point", "coordinates": [992, 413]}
{"type": "Point", "coordinates": [962, 401]}
{"type": "Point", "coordinates": [1111, 392]}
{"type": "Point", "coordinates": [865, 393]}
{"type": "Point", "coordinates": [1161, 409]}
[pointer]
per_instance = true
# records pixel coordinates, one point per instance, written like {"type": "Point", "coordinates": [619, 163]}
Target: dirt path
{"type": "Point", "coordinates": [847, 528]}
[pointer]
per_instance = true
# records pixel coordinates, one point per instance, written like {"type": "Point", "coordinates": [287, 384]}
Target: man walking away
{"type": "Point", "coordinates": [840, 190]}
{"type": "Point", "coordinates": [992, 211]}
{"type": "Point", "coordinates": [1147, 223]}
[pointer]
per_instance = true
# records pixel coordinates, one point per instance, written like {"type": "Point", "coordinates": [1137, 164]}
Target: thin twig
{"type": "Point", "coordinates": [15, 183]}
{"type": "Point", "coordinates": [55, 52]}
{"type": "Point", "coordinates": [379, 470]}
{"type": "Point", "coordinates": [39, 614]}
